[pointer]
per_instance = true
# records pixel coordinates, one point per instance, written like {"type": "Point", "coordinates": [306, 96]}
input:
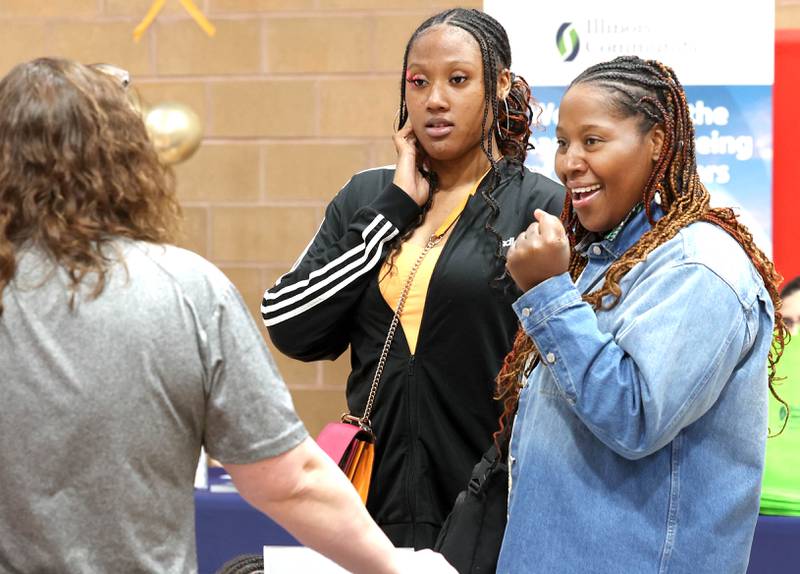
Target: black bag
{"type": "Point", "coordinates": [473, 531]}
{"type": "Point", "coordinates": [243, 564]}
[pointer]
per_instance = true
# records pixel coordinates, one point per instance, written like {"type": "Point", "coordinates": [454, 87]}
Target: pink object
{"type": "Point", "coordinates": [336, 438]}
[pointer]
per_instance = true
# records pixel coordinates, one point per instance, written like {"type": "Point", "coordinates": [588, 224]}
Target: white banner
{"type": "Point", "coordinates": [706, 42]}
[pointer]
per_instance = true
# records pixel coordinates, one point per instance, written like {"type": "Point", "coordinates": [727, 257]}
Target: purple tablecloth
{"type": "Point", "coordinates": [776, 545]}
{"type": "Point", "coordinates": [227, 527]}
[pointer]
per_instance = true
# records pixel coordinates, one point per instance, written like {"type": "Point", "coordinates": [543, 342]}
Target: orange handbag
{"type": "Point", "coordinates": [352, 447]}
{"type": "Point", "coordinates": [351, 442]}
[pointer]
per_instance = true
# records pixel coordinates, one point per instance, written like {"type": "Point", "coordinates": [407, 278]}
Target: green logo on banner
{"type": "Point", "coordinates": [567, 41]}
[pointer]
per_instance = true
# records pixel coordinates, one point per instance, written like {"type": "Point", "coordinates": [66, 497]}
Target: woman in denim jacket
{"type": "Point", "coordinates": [645, 352]}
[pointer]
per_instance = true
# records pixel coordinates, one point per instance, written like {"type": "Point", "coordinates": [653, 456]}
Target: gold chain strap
{"type": "Point", "coordinates": [364, 421]}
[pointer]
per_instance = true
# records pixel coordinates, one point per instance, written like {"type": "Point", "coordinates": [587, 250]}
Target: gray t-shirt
{"type": "Point", "coordinates": [104, 408]}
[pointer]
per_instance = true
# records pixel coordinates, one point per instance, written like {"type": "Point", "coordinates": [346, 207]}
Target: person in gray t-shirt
{"type": "Point", "coordinates": [120, 355]}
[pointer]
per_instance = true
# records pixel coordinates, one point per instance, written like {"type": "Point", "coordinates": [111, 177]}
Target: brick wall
{"type": "Point", "coordinates": [284, 85]}
{"type": "Point", "coordinates": [295, 96]}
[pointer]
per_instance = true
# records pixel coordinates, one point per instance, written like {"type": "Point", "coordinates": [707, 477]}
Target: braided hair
{"type": "Point", "coordinates": [514, 116]}
{"type": "Point", "coordinates": [651, 91]}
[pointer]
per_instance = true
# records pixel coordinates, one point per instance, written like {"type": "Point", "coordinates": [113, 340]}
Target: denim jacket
{"type": "Point", "coordinates": [638, 445]}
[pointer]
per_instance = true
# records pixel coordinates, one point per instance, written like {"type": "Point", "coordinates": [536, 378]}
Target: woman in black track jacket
{"type": "Point", "coordinates": [434, 414]}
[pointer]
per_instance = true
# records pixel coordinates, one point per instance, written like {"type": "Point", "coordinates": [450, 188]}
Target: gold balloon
{"type": "Point", "coordinates": [175, 131]}
{"type": "Point", "coordinates": [138, 103]}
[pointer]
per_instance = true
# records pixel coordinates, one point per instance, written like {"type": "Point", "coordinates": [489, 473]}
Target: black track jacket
{"type": "Point", "coordinates": [434, 414]}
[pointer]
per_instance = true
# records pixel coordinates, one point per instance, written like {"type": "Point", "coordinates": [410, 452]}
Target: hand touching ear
{"type": "Point", "coordinates": [407, 175]}
{"type": "Point", "coordinates": [540, 252]}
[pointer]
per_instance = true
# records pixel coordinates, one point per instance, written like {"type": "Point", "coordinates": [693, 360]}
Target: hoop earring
{"type": "Point", "coordinates": [508, 121]}
{"type": "Point", "coordinates": [395, 121]}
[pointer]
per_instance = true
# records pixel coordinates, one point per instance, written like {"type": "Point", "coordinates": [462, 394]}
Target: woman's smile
{"type": "Point", "coordinates": [582, 196]}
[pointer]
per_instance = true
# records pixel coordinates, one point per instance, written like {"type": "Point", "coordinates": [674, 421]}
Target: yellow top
{"type": "Point", "coordinates": [392, 281]}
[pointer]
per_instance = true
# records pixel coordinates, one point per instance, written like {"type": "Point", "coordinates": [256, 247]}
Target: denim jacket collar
{"type": "Point", "coordinates": [623, 237]}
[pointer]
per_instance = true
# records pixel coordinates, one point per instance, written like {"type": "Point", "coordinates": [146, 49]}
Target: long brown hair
{"type": "Point", "coordinates": [77, 170]}
{"type": "Point", "coordinates": [651, 91]}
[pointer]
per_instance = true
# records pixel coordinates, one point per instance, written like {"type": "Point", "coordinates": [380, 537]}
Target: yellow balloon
{"type": "Point", "coordinates": [138, 103]}
{"type": "Point", "coordinates": [175, 131]}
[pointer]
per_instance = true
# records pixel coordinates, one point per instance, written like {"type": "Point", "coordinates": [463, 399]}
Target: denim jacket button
{"type": "Point", "coordinates": [550, 358]}
{"type": "Point", "coordinates": [596, 250]}
{"type": "Point", "coordinates": [526, 312]}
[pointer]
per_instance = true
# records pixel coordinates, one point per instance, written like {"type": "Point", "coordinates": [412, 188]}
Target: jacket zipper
{"type": "Point", "coordinates": [412, 439]}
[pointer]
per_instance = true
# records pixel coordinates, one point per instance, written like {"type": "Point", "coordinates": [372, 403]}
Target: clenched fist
{"type": "Point", "coordinates": [539, 252]}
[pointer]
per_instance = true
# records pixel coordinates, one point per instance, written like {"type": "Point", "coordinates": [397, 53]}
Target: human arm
{"type": "Point", "coordinates": [307, 310]}
{"type": "Point", "coordinates": [659, 361]}
{"type": "Point", "coordinates": [306, 493]}
{"type": "Point", "coordinates": [251, 427]}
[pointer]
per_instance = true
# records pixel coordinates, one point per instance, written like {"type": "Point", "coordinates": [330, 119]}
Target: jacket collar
{"type": "Point", "coordinates": [621, 238]}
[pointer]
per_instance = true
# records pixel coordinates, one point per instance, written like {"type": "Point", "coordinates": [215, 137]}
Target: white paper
{"type": "Point", "coordinates": [299, 559]}
{"type": "Point", "coordinates": [201, 474]}
{"type": "Point", "coordinates": [282, 559]}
